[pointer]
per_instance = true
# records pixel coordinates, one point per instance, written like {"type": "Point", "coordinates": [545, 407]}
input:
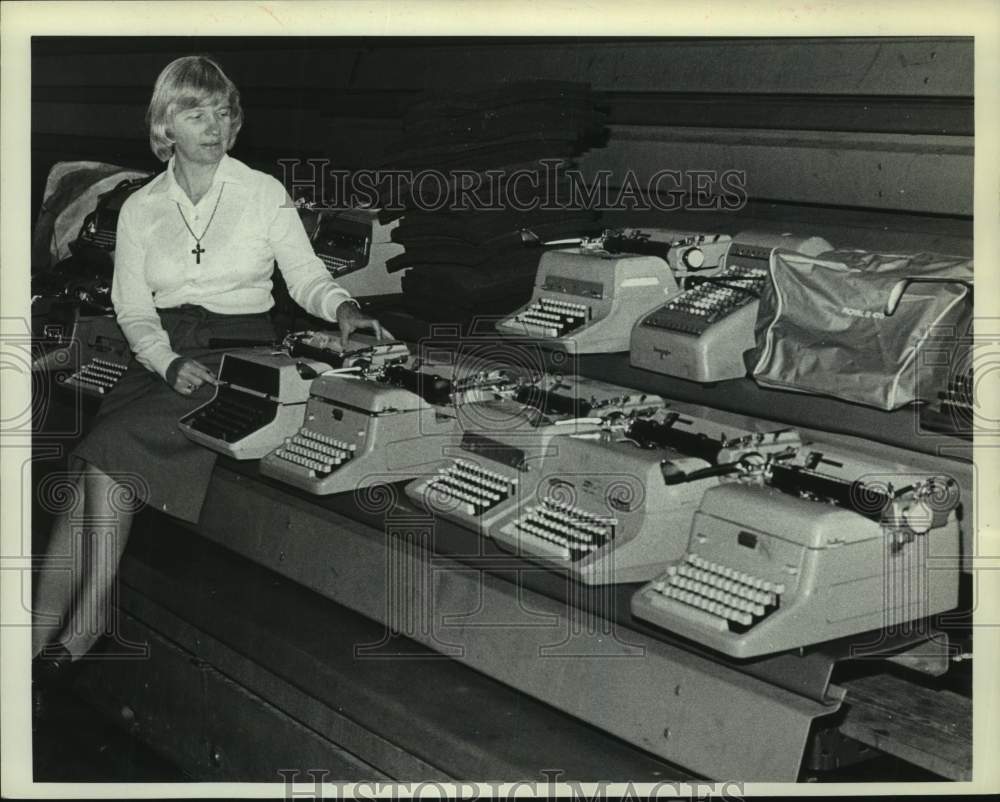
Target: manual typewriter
{"type": "Point", "coordinates": [618, 508]}
{"type": "Point", "coordinates": [92, 347]}
{"type": "Point", "coordinates": [566, 404]}
{"type": "Point", "coordinates": [825, 546]}
{"type": "Point", "coordinates": [260, 398]}
{"type": "Point", "coordinates": [955, 408]}
{"type": "Point", "coordinates": [355, 248]}
{"type": "Point", "coordinates": [701, 333]}
{"type": "Point", "coordinates": [495, 466]}
{"type": "Point", "coordinates": [587, 300]}
{"type": "Point", "coordinates": [390, 421]}
{"type": "Point", "coordinates": [261, 395]}
{"type": "Point", "coordinates": [359, 431]}
{"type": "Point", "coordinates": [682, 250]}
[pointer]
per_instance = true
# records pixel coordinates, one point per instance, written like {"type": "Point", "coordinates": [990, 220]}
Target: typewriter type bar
{"type": "Point", "coordinates": [768, 570]}
{"type": "Point", "coordinates": [587, 301]}
{"type": "Point", "coordinates": [701, 333]}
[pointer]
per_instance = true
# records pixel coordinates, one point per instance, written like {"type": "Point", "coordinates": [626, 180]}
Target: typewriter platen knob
{"type": "Point", "coordinates": [693, 258]}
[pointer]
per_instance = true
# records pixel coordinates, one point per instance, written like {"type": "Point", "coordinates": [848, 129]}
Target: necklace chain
{"type": "Point", "coordinates": [198, 250]}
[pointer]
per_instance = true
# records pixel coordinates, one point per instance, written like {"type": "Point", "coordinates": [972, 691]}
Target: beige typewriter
{"type": "Point", "coordinates": [496, 465]}
{"type": "Point", "coordinates": [388, 423]}
{"type": "Point", "coordinates": [618, 508]}
{"type": "Point", "coordinates": [260, 399]}
{"type": "Point", "coordinates": [262, 393]}
{"type": "Point", "coordinates": [826, 546]}
{"type": "Point", "coordinates": [701, 333]}
{"type": "Point", "coordinates": [587, 300]}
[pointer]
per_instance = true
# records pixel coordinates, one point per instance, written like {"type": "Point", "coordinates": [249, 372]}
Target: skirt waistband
{"type": "Point", "coordinates": [200, 313]}
{"type": "Point", "coordinates": [194, 327]}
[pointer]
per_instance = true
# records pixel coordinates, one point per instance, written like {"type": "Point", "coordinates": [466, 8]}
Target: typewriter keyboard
{"type": "Point", "coordinates": [694, 310]}
{"type": "Point", "coordinates": [231, 416]}
{"type": "Point", "coordinates": [552, 318]}
{"type": "Point", "coordinates": [336, 265]}
{"type": "Point", "coordinates": [560, 529]}
{"type": "Point", "coordinates": [318, 452]}
{"type": "Point", "coordinates": [729, 599]}
{"type": "Point", "coordinates": [476, 489]}
{"type": "Point", "coordinates": [98, 375]}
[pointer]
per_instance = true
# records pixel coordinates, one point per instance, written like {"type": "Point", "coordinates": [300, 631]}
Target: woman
{"type": "Point", "coordinates": [194, 257]}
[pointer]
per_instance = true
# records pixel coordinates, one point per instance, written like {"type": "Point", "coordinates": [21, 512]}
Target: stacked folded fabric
{"type": "Point", "coordinates": [482, 185]}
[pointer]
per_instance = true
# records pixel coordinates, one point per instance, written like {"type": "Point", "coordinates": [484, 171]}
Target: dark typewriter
{"type": "Point", "coordinates": [355, 248]}
{"type": "Point", "coordinates": [96, 241]}
{"type": "Point", "coordinates": [93, 347]}
{"type": "Point", "coordinates": [826, 546]}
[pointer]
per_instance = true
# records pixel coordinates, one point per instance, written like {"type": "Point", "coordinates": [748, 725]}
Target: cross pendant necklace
{"type": "Point", "coordinates": [198, 250]}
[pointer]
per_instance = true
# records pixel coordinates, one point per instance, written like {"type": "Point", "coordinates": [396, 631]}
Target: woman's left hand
{"type": "Point", "coordinates": [350, 318]}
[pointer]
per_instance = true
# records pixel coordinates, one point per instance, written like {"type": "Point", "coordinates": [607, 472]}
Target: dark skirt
{"type": "Point", "coordinates": [135, 435]}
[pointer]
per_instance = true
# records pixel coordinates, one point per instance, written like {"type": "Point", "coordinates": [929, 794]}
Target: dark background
{"type": "Point", "coordinates": [849, 123]}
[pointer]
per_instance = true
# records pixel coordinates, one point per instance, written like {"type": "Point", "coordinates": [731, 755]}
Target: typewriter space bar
{"type": "Point", "coordinates": [529, 543]}
{"type": "Point", "coordinates": [535, 329]}
{"type": "Point", "coordinates": [694, 615]}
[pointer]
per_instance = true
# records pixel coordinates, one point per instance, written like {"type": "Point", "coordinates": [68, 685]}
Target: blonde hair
{"type": "Point", "coordinates": [183, 84]}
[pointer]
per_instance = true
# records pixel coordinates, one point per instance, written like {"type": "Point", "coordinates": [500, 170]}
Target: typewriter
{"type": "Point", "coordinates": [566, 404]}
{"type": "Point", "coordinates": [364, 351]}
{"type": "Point", "coordinates": [485, 477]}
{"type": "Point", "coordinates": [618, 508]}
{"type": "Point", "coordinates": [262, 393]}
{"type": "Point", "coordinates": [954, 410]}
{"type": "Point", "coordinates": [701, 333]}
{"type": "Point", "coordinates": [825, 546]}
{"type": "Point", "coordinates": [260, 399]}
{"type": "Point", "coordinates": [360, 431]}
{"type": "Point", "coordinates": [587, 300]}
{"type": "Point", "coordinates": [355, 247]}
{"type": "Point", "coordinates": [496, 465]}
{"type": "Point", "coordinates": [92, 347]}
{"type": "Point", "coordinates": [682, 250]}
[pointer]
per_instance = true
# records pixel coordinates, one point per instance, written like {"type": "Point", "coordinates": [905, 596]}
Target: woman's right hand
{"type": "Point", "coordinates": [186, 375]}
